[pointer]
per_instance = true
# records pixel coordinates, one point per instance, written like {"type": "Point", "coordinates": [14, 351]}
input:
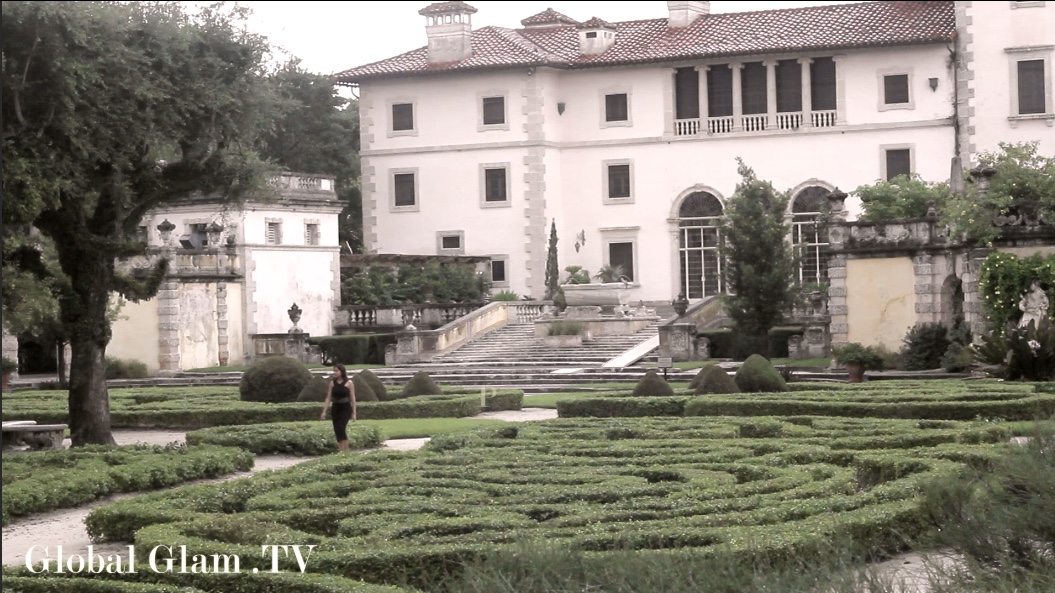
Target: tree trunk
{"type": "Point", "coordinates": [60, 356]}
{"type": "Point", "coordinates": [89, 328]}
{"type": "Point", "coordinates": [89, 400]}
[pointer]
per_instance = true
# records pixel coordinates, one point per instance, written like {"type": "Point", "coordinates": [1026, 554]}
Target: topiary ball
{"type": "Point", "coordinates": [714, 379]}
{"type": "Point", "coordinates": [274, 380]}
{"type": "Point", "coordinates": [376, 385]}
{"type": "Point", "coordinates": [314, 391]}
{"type": "Point", "coordinates": [758, 375]}
{"type": "Point", "coordinates": [421, 384]}
{"type": "Point", "coordinates": [653, 385]}
{"type": "Point", "coordinates": [363, 391]}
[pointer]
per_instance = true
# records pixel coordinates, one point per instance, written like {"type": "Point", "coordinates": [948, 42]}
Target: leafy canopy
{"type": "Point", "coordinates": [759, 267]}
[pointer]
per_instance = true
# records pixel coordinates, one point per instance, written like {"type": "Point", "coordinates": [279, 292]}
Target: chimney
{"type": "Point", "coordinates": [595, 36]}
{"type": "Point", "coordinates": [683, 14]}
{"type": "Point", "coordinates": [449, 27]}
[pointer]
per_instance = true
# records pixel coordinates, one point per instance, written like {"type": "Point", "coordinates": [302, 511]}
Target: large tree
{"type": "Point", "coordinates": [759, 268]}
{"type": "Point", "coordinates": [315, 130]}
{"type": "Point", "coordinates": [110, 110]}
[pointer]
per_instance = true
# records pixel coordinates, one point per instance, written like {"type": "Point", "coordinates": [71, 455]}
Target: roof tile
{"type": "Point", "coordinates": [844, 26]}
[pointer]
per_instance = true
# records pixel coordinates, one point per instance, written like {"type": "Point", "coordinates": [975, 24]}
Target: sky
{"type": "Point", "coordinates": [330, 37]}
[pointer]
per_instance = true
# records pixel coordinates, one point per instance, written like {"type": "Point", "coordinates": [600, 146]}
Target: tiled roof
{"type": "Point", "coordinates": [596, 23]}
{"type": "Point", "coordinates": [446, 7]}
{"type": "Point", "coordinates": [843, 26]}
{"type": "Point", "coordinates": [548, 17]}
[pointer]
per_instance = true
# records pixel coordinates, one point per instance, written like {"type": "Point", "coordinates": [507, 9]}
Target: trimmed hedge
{"type": "Point", "coordinates": [278, 379]}
{"type": "Point", "coordinates": [713, 379]}
{"type": "Point", "coordinates": [421, 384]}
{"type": "Point", "coordinates": [291, 438]}
{"type": "Point", "coordinates": [758, 375]}
{"type": "Point", "coordinates": [202, 407]}
{"type": "Point", "coordinates": [353, 349]}
{"type": "Point", "coordinates": [50, 480]}
{"type": "Point", "coordinates": [379, 389]}
{"type": "Point", "coordinates": [621, 406]}
{"type": "Point", "coordinates": [765, 488]}
{"type": "Point", "coordinates": [652, 385]}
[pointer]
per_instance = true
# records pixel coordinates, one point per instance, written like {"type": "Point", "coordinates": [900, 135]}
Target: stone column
{"type": "Point", "coordinates": [807, 93]}
{"type": "Point", "coordinates": [223, 353]}
{"type": "Point", "coordinates": [738, 100]}
{"type": "Point", "coordinates": [771, 93]}
{"type": "Point", "coordinates": [840, 328]}
{"type": "Point", "coordinates": [168, 309]}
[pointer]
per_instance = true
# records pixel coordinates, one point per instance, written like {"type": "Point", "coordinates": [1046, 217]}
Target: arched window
{"type": "Point", "coordinates": [698, 238]}
{"type": "Point", "coordinates": [808, 236]}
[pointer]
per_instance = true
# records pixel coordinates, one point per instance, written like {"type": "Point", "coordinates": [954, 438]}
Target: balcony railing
{"type": "Point", "coordinates": [302, 182]}
{"type": "Point", "coordinates": [789, 121]}
{"type": "Point", "coordinates": [755, 123]}
{"type": "Point", "coordinates": [824, 119]}
{"type": "Point", "coordinates": [687, 127]}
{"type": "Point", "coordinates": [720, 125]}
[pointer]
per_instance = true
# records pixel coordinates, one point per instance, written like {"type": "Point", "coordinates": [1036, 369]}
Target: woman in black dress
{"type": "Point", "coordinates": [341, 394]}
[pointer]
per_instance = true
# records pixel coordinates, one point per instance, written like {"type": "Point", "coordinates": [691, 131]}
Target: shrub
{"type": "Point", "coordinates": [925, 344]}
{"type": "Point", "coordinates": [1023, 353]}
{"type": "Point", "coordinates": [123, 368]}
{"type": "Point", "coordinates": [375, 383]}
{"type": "Point", "coordinates": [363, 391]}
{"type": "Point", "coordinates": [888, 359]}
{"type": "Point", "coordinates": [9, 366]}
{"type": "Point", "coordinates": [714, 379]}
{"type": "Point", "coordinates": [505, 295]}
{"type": "Point", "coordinates": [958, 357]}
{"type": "Point", "coordinates": [564, 328]}
{"type": "Point", "coordinates": [758, 375]}
{"type": "Point", "coordinates": [855, 353]}
{"type": "Point", "coordinates": [314, 391]}
{"type": "Point", "coordinates": [653, 384]}
{"type": "Point", "coordinates": [278, 379]}
{"type": "Point", "coordinates": [421, 384]}
{"type": "Point", "coordinates": [353, 349]}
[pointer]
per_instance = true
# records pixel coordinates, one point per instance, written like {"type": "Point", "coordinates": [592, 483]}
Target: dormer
{"type": "Point", "coordinates": [548, 18]}
{"type": "Point", "coordinates": [595, 36]}
{"type": "Point", "coordinates": [450, 29]}
{"type": "Point", "coordinates": [683, 14]}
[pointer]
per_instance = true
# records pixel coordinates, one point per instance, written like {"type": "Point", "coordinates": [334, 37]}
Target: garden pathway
{"type": "Point", "coordinates": [66, 527]}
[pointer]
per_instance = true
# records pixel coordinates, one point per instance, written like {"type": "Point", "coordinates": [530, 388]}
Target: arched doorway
{"type": "Point", "coordinates": [808, 236]}
{"type": "Point", "coordinates": [698, 239]}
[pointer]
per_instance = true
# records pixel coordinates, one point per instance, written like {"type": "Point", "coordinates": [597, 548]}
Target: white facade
{"type": "Point", "coordinates": [895, 108]}
{"type": "Point", "coordinates": [235, 271]}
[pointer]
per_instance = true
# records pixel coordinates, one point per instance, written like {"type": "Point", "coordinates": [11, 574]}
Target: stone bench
{"type": "Point", "coordinates": [32, 435]}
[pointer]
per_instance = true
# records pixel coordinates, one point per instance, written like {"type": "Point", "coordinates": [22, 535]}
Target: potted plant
{"type": "Point", "coordinates": [9, 366]}
{"type": "Point", "coordinates": [609, 274]}
{"type": "Point", "coordinates": [857, 358]}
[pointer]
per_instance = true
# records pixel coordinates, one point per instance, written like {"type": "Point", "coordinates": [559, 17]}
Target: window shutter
{"type": "Point", "coordinates": [615, 107]}
{"type": "Point", "coordinates": [687, 93]}
{"type": "Point", "coordinates": [618, 181]}
{"type": "Point", "coordinates": [753, 87]}
{"type": "Point", "coordinates": [402, 117]}
{"type": "Point", "coordinates": [789, 86]}
{"type": "Point", "coordinates": [494, 110]}
{"type": "Point", "coordinates": [404, 189]}
{"type": "Point", "coordinates": [720, 91]}
{"type": "Point", "coordinates": [495, 185]}
{"type": "Point", "coordinates": [822, 84]}
{"type": "Point", "coordinates": [898, 162]}
{"type": "Point", "coordinates": [1031, 87]}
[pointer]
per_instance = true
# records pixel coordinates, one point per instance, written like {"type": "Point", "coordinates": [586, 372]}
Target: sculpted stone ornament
{"type": "Point", "coordinates": [294, 314]}
{"type": "Point", "coordinates": [1034, 305]}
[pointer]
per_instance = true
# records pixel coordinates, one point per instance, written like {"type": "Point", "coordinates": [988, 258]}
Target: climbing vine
{"type": "Point", "coordinates": [1003, 279]}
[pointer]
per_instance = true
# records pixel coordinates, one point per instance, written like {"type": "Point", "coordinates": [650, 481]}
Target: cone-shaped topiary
{"type": "Point", "coordinates": [653, 384]}
{"type": "Point", "coordinates": [314, 391]}
{"type": "Point", "coordinates": [757, 374]}
{"type": "Point", "coordinates": [421, 384]}
{"type": "Point", "coordinates": [275, 380]}
{"type": "Point", "coordinates": [714, 379]}
{"type": "Point", "coordinates": [363, 391]}
{"type": "Point", "coordinates": [375, 384]}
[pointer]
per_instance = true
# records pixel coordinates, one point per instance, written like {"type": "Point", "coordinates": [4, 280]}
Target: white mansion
{"type": "Point", "coordinates": [626, 133]}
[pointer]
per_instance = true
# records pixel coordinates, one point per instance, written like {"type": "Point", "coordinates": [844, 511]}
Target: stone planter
{"type": "Point", "coordinates": [598, 295]}
{"type": "Point", "coordinates": [856, 371]}
{"type": "Point", "coordinates": [562, 341]}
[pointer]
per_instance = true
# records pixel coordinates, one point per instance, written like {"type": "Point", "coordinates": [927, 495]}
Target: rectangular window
{"type": "Point", "coordinates": [495, 185]}
{"type": "Point", "coordinates": [1031, 87]}
{"type": "Point", "coordinates": [895, 89]}
{"type": "Point", "coordinates": [402, 117]}
{"type": "Point", "coordinates": [498, 271]}
{"type": "Point", "coordinates": [274, 233]}
{"type": "Point", "coordinates": [789, 86]}
{"type": "Point", "coordinates": [720, 91]}
{"type": "Point", "coordinates": [686, 93]}
{"type": "Point", "coordinates": [898, 162]}
{"type": "Point", "coordinates": [311, 233]}
{"type": "Point", "coordinates": [494, 109]}
{"type": "Point", "coordinates": [622, 255]}
{"type": "Point", "coordinates": [822, 84]}
{"type": "Point", "coordinates": [451, 242]}
{"type": "Point", "coordinates": [753, 88]}
{"type": "Point", "coordinates": [618, 181]}
{"type": "Point", "coordinates": [615, 107]}
{"type": "Point", "coordinates": [404, 191]}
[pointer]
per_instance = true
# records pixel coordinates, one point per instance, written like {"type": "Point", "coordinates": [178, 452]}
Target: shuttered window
{"type": "Point", "coordinates": [898, 162]}
{"type": "Point", "coordinates": [753, 87]}
{"type": "Point", "coordinates": [402, 117]}
{"type": "Point", "coordinates": [494, 111]}
{"type": "Point", "coordinates": [404, 189]}
{"type": "Point", "coordinates": [1031, 87]}
{"type": "Point", "coordinates": [822, 84]}
{"type": "Point", "coordinates": [720, 91]}
{"type": "Point", "coordinates": [686, 93]}
{"type": "Point", "coordinates": [789, 86]}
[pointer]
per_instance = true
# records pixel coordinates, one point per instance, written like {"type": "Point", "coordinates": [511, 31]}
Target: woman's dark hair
{"type": "Point", "coordinates": [344, 372]}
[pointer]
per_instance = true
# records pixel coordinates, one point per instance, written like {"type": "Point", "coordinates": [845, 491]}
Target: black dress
{"type": "Point", "coordinates": [341, 410]}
